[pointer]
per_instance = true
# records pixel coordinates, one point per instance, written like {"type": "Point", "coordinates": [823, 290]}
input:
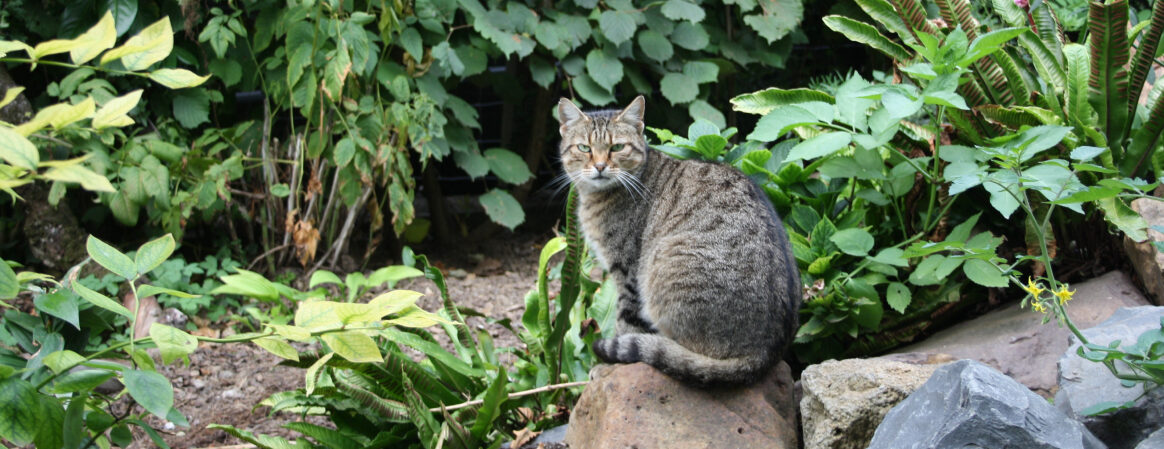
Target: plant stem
{"type": "Point", "coordinates": [517, 394]}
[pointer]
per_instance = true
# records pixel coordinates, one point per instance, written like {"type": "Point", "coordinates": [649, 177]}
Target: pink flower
{"type": "Point", "coordinates": [1024, 4]}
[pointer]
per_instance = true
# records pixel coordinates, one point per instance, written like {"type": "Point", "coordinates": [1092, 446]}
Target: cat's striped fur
{"type": "Point", "coordinates": [708, 287]}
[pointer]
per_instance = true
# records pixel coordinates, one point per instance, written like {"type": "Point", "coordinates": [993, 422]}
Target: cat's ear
{"type": "Point", "coordinates": [569, 113]}
{"type": "Point", "coordinates": [633, 114]}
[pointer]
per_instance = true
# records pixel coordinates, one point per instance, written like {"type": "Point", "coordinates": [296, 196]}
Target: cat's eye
{"type": "Point", "coordinates": [584, 148]}
{"type": "Point", "coordinates": [617, 147]}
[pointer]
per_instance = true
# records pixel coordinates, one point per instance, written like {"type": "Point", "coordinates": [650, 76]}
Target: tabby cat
{"type": "Point", "coordinates": [708, 287]}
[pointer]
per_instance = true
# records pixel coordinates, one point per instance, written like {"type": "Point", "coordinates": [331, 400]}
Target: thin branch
{"type": "Point", "coordinates": [514, 395]}
{"type": "Point", "coordinates": [268, 253]}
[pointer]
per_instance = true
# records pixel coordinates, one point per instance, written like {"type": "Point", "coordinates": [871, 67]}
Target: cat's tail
{"type": "Point", "coordinates": [681, 363]}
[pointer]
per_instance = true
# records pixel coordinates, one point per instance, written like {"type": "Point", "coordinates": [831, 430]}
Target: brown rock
{"type": "Point", "coordinates": [1146, 260]}
{"type": "Point", "coordinates": [1014, 340]}
{"type": "Point", "coordinates": [637, 406]}
{"type": "Point", "coordinates": [844, 401]}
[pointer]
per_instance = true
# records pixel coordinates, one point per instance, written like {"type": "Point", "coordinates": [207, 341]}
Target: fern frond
{"type": "Point", "coordinates": [1149, 42]}
{"type": "Point", "coordinates": [1049, 30]}
{"type": "Point", "coordinates": [1010, 13]}
{"type": "Point", "coordinates": [393, 411]}
{"type": "Point", "coordinates": [884, 13]}
{"type": "Point", "coordinates": [330, 438]}
{"type": "Point", "coordinates": [1148, 137]}
{"type": "Point", "coordinates": [914, 17]}
{"type": "Point", "coordinates": [1016, 83]}
{"type": "Point", "coordinates": [1108, 83]}
{"type": "Point", "coordinates": [866, 34]}
{"type": "Point", "coordinates": [764, 101]}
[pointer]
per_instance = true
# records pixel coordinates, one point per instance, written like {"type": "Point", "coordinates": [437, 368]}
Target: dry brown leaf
{"type": "Point", "coordinates": [523, 436]}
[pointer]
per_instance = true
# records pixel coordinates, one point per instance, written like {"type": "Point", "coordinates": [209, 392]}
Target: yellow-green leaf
{"type": "Point", "coordinates": [98, 39]}
{"type": "Point", "coordinates": [53, 47]}
{"type": "Point", "coordinates": [173, 343]}
{"type": "Point", "coordinates": [16, 150]}
{"type": "Point", "coordinates": [177, 78]}
{"type": "Point", "coordinates": [295, 333]}
{"type": "Point", "coordinates": [279, 347]}
{"type": "Point", "coordinates": [80, 174]}
{"type": "Point", "coordinates": [314, 315]}
{"type": "Point", "coordinates": [151, 45]}
{"type": "Point", "coordinates": [112, 113]}
{"type": "Point", "coordinates": [62, 114]}
{"type": "Point", "coordinates": [394, 301]}
{"type": "Point", "coordinates": [10, 94]}
{"type": "Point", "coordinates": [61, 361]}
{"type": "Point", "coordinates": [11, 46]}
{"type": "Point", "coordinates": [415, 317]}
{"type": "Point", "coordinates": [313, 372]}
{"type": "Point", "coordinates": [354, 346]}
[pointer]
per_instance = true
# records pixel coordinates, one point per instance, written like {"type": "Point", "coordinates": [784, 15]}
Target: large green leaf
{"type": "Point", "coordinates": [1145, 54]}
{"type": "Point", "coordinates": [110, 258]}
{"type": "Point", "coordinates": [1108, 83]}
{"type": "Point", "coordinates": [507, 165]}
{"type": "Point", "coordinates": [502, 208]}
{"type": "Point", "coordinates": [764, 101]}
{"type": "Point", "coordinates": [604, 68]}
{"type": "Point", "coordinates": [617, 26]}
{"type": "Point", "coordinates": [679, 88]}
{"type": "Point", "coordinates": [819, 146]}
{"type": "Point", "coordinates": [682, 10]}
{"type": "Point", "coordinates": [355, 346]}
{"type": "Point", "coordinates": [1147, 138]}
{"type": "Point", "coordinates": [884, 13]}
{"type": "Point", "coordinates": [58, 304]}
{"type": "Point", "coordinates": [17, 151]}
{"type": "Point", "coordinates": [9, 287]}
{"type": "Point", "coordinates": [691, 36]}
{"type": "Point", "coordinates": [151, 390]}
{"type": "Point", "coordinates": [655, 45]}
{"type": "Point", "coordinates": [1076, 102]}
{"type": "Point", "coordinates": [866, 34]}
{"type": "Point", "coordinates": [173, 343]}
{"type": "Point", "coordinates": [153, 253]}
{"type": "Point", "coordinates": [1045, 62]}
{"type": "Point", "coordinates": [19, 416]}
{"type": "Point", "coordinates": [776, 19]}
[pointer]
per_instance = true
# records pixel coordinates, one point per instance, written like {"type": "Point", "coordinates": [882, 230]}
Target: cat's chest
{"type": "Point", "coordinates": [613, 230]}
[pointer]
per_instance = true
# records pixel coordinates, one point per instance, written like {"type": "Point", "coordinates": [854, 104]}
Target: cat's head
{"type": "Point", "coordinates": [602, 149]}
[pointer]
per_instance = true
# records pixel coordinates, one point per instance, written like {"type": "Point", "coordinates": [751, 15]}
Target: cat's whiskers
{"type": "Point", "coordinates": [561, 183]}
{"type": "Point", "coordinates": [633, 184]}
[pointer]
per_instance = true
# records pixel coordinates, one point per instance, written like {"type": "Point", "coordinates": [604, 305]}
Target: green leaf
{"type": "Point", "coordinates": [247, 283]}
{"type": "Point", "coordinates": [279, 347]}
{"type": "Point", "coordinates": [861, 32]}
{"type": "Point", "coordinates": [57, 304]}
{"type": "Point", "coordinates": [898, 296]}
{"type": "Point", "coordinates": [702, 110]}
{"type": "Point", "coordinates": [16, 150]}
{"type": "Point", "coordinates": [110, 258]}
{"type": "Point", "coordinates": [113, 112]}
{"type": "Point", "coordinates": [177, 78]}
{"type": "Point", "coordinates": [9, 286]}
{"type": "Point", "coordinates": [1110, 53]}
{"type": "Point", "coordinates": [819, 146]}
{"type": "Point", "coordinates": [984, 273]}
{"type": "Point", "coordinates": [591, 92]}
{"type": "Point", "coordinates": [502, 208]}
{"type": "Point", "coordinates": [779, 18]}
{"type": "Point", "coordinates": [151, 390]}
{"type": "Point", "coordinates": [100, 300]}
{"type": "Point", "coordinates": [98, 39]}
{"type": "Point", "coordinates": [1103, 407]}
{"type": "Point", "coordinates": [764, 101]}
{"type": "Point", "coordinates": [1124, 218]}
{"type": "Point", "coordinates": [691, 36]}
{"type": "Point", "coordinates": [490, 409]}
{"type": "Point", "coordinates": [150, 45]}
{"type": "Point", "coordinates": [312, 373]}
{"type": "Point", "coordinates": [682, 10]}
{"type": "Point", "coordinates": [81, 380]}
{"type": "Point", "coordinates": [394, 301]}
{"type": "Point", "coordinates": [354, 346]}
{"type": "Point", "coordinates": [173, 343]}
{"type": "Point", "coordinates": [323, 277]}
{"type": "Point", "coordinates": [655, 45]}
{"type": "Point", "coordinates": [679, 88]}
{"type": "Point", "coordinates": [411, 42]}
{"type": "Point", "coordinates": [542, 72]}
{"type": "Point", "coordinates": [701, 71]}
{"type": "Point", "coordinates": [854, 241]}
{"type": "Point", "coordinates": [19, 419]}
{"type": "Point", "coordinates": [192, 108]}
{"type": "Point", "coordinates": [988, 43]}
{"type": "Point", "coordinates": [605, 69]}
{"type": "Point", "coordinates": [617, 26]}
{"type": "Point", "coordinates": [151, 290]}
{"type": "Point", "coordinates": [153, 253]}
{"type": "Point", "coordinates": [780, 120]}
{"type": "Point", "coordinates": [62, 361]}
{"type": "Point", "coordinates": [507, 165]}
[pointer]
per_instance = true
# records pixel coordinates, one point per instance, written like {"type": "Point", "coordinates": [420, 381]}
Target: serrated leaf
{"type": "Point", "coordinates": [682, 10]}
{"type": "Point", "coordinates": [177, 78]}
{"type": "Point", "coordinates": [472, 163]}
{"type": "Point", "coordinates": [605, 69]}
{"type": "Point", "coordinates": [502, 208]}
{"type": "Point", "coordinates": [98, 39]}
{"type": "Point", "coordinates": [192, 108]}
{"type": "Point", "coordinates": [679, 88]}
{"type": "Point", "coordinates": [151, 390]}
{"type": "Point", "coordinates": [854, 241]}
{"type": "Point", "coordinates": [691, 36]}
{"type": "Point", "coordinates": [898, 296]}
{"type": "Point", "coordinates": [617, 26]}
{"type": "Point", "coordinates": [701, 71]}
{"type": "Point", "coordinates": [655, 45]}
{"type": "Point", "coordinates": [778, 18]}
{"type": "Point", "coordinates": [591, 92]}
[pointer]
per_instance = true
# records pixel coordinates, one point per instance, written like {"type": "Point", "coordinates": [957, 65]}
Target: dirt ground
{"type": "Point", "coordinates": [225, 383]}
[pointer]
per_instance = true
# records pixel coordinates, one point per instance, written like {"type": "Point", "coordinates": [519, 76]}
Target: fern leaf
{"type": "Point", "coordinates": [1108, 82]}
{"type": "Point", "coordinates": [1148, 138]}
{"type": "Point", "coordinates": [868, 35]}
{"type": "Point", "coordinates": [1010, 13]}
{"type": "Point", "coordinates": [490, 409]}
{"type": "Point", "coordinates": [426, 426]}
{"type": "Point", "coordinates": [1045, 62]}
{"type": "Point", "coordinates": [959, 12]}
{"type": "Point", "coordinates": [884, 13]}
{"type": "Point", "coordinates": [1019, 116]}
{"type": "Point", "coordinates": [967, 125]}
{"type": "Point", "coordinates": [764, 101]}
{"type": "Point", "coordinates": [262, 441]}
{"type": "Point", "coordinates": [330, 438]}
{"type": "Point", "coordinates": [393, 411]}
{"type": "Point", "coordinates": [463, 336]}
{"type": "Point", "coordinates": [914, 17]}
{"type": "Point", "coordinates": [1076, 102]}
{"type": "Point", "coordinates": [1016, 83]}
{"type": "Point", "coordinates": [1049, 31]}
{"type": "Point", "coordinates": [1149, 42]}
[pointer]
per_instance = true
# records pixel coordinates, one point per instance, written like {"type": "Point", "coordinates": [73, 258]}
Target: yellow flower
{"type": "Point", "coordinates": [1034, 288]}
{"type": "Point", "coordinates": [1063, 294]}
{"type": "Point", "coordinates": [1038, 306]}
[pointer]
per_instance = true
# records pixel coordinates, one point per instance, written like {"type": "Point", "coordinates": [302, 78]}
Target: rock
{"type": "Point", "coordinates": [1014, 340]}
{"type": "Point", "coordinates": [1154, 441]}
{"type": "Point", "coordinates": [845, 400]}
{"type": "Point", "coordinates": [20, 109]}
{"type": "Point", "coordinates": [54, 237]}
{"type": "Point", "coordinates": [637, 406]}
{"type": "Point", "coordinates": [1083, 383]}
{"type": "Point", "coordinates": [967, 404]}
{"type": "Point", "coordinates": [1146, 259]}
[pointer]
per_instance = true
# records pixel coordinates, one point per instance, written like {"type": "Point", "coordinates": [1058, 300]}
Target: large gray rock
{"type": "Point", "coordinates": [1083, 383]}
{"type": "Point", "coordinates": [637, 406]}
{"type": "Point", "coordinates": [1014, 340]}
{"type": "Point", "coordinates": [1154, 441]}
{"type": "Point", "coordinates": [845, 400]}
{"type": "Point", "coordinates": [969, 405]}
{"type": "Point", "coordinates": [1146, 260]}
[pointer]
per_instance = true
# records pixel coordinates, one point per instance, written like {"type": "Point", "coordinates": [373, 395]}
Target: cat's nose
{"type": "Point", "coordinates": [600, 166]}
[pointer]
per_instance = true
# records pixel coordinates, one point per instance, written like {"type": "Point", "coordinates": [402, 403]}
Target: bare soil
{"type": "Point", "coordinates": [225, 383]}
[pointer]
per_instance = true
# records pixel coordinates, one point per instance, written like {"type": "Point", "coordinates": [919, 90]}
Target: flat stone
{"type": "Point", "coordinates": [1154, 441]}
{"type": "Point", "coordinates": [966, 404]}
{"type": "Point", "coordinates": [1014, 340]}
{"type": "Point", "coordinates": [845, 400]}
{"type": "Point", "coordinates": [1083, 383]}
{"type": "Point", "coordinates": [637, 406]}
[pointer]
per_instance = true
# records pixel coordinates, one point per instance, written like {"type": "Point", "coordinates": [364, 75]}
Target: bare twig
{"type": "Point", "coordinates": [268, 253]}
{"type": "Point", "coordinates": [515, 395]}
